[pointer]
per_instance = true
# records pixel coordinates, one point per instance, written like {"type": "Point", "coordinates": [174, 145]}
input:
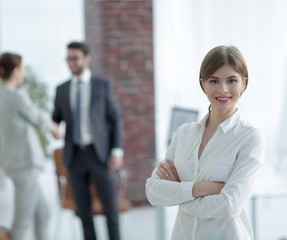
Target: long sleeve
{"type": "Point", "coordinates": [30, 113]}
{"type": "Point", "coordinates": [234, 155]}
{"type": "Point", "coordinates": [239, 186]}
{"type": "Point", "coordinates": [113, 118]}
{"type": "Point", "coordinates": [19, 125]}
{"type": "Point", "coordinates": [57, 115]}
{"type": "Point", "coordinates": [168, 193]}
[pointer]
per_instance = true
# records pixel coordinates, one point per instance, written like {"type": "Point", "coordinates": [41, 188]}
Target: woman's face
{"type": "Point", "coordinates": [20, 73]}
{"type": "Point", "coordinates": [224, 88]}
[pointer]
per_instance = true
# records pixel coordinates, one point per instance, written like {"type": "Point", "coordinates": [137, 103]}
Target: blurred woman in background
{"type": "Point", "coordinates": [21, 154]}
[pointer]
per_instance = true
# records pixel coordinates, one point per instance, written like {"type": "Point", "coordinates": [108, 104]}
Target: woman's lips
{"type": "Point", "coordinates": [222, 99]}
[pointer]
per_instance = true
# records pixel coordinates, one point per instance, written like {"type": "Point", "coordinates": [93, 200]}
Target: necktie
{"type": "Point", "coordinates": [77, 114]}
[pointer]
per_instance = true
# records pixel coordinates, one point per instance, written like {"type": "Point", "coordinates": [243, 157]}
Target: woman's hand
{"type": "Point", "coordinates": [167, 171]}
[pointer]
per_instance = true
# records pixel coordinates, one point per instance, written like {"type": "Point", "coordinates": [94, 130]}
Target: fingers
{"type": "Point", "coordinates": [161, 175]}
{"type": "Point", "coordinates": [171, 166]}
{"type": "Point", "coordinates": [220, 186]}
{"type": "Point", "coordinates": [162, 172]}
{"type": "Point", "coordinates": [166, 170]}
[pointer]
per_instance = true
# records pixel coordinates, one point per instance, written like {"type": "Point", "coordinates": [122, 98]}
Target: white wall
{"type": "Point", "coordinates": [185, 30]}
{"type": "Point", "coordinates": [40, 31]}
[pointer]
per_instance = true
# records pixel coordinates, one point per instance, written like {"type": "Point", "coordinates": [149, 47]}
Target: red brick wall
{"type": "Point", "coordinates": [121, 36]}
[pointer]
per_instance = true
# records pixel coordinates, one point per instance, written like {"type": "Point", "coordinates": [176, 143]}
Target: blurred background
{"type": "Point", "coordinates": [152, 50]}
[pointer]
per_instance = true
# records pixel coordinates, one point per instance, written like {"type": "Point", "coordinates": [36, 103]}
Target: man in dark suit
{"type": "Point", "coordinates": [93, 138]}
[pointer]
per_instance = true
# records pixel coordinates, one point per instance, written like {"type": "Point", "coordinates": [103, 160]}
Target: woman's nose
{"type": "Point", "coordinates": [223, 88]}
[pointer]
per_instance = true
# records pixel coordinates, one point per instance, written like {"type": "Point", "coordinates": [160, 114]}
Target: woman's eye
{"type": "Point", "coordinates": [212, 81]}
{"type": "Point", "coordinates": [232, 81]}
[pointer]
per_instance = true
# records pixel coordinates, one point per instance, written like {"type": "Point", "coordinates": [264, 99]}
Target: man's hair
{"type": "Point", "coordinates": [84, 47]}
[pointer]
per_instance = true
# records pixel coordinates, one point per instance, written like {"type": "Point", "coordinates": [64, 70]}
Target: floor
{"type": "Point", "coordinates": [136, 224]}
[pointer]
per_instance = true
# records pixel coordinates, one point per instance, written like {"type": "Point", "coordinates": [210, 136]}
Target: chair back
{"type": "Point", "coordinates": [65, 190]}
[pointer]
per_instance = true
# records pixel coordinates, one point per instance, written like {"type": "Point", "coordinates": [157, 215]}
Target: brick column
{"type": "Point", "coordinates": [121, 36]}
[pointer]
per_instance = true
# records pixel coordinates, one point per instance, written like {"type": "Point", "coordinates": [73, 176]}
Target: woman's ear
{"type": "Point", "coordinates": [19, 74]}
{"type": "Point", "coordinates": [16, 71]}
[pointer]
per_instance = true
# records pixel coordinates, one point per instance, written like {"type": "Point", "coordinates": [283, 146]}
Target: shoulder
{"type": "Point", "coordinates": [183, 132]}
{"type": "Point", "coordinates": [251, 133]}
{"type": "Point", "coordinates": [186, 128]}
{"type": "Point", "coordinates": [12, 95]}
{"type": "Point", "coordinates": [251, 128]}
{"type": "Point", "coordinates": [99, 80]}
{"type": "Point", "coordinates": [22, 93]}
{"type": "Point", "coordinates": [64, 84]}
{"type": "Point", "coordinates": [63, 87]}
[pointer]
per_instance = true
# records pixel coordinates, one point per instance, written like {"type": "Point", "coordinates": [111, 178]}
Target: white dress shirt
{"type": "Point", "coordinates": [234, 156]}
{"type": "Point", "coordinates": [86, 136]}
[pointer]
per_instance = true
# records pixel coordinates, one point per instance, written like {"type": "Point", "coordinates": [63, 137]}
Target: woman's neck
{"type": "Point", "coordinates": [11, 82]}
{"type": "Point", "coordinates": [215, 118]}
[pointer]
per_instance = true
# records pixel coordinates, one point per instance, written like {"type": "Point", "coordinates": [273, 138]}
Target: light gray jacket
{"type": "Point", "coordinates": [20, 146]}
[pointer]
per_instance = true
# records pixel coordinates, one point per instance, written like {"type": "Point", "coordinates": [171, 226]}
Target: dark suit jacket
{"type": "Point", "coordinates": [105, 118]}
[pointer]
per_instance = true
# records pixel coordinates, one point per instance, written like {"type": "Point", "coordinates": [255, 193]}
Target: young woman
{"type": "Point", "coordinates": [211, 166]}
{"type": "Point", "coordinates": [21, 155]}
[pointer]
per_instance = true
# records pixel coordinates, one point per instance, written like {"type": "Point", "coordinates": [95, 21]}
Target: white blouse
{"type": "Point", "coordinates": [234, 156]}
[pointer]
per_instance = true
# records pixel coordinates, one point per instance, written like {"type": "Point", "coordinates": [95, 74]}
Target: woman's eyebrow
{"type": "Point", "coordinates": [232, 76]}
{"type": "Point", "coordinates": [213, 77]}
